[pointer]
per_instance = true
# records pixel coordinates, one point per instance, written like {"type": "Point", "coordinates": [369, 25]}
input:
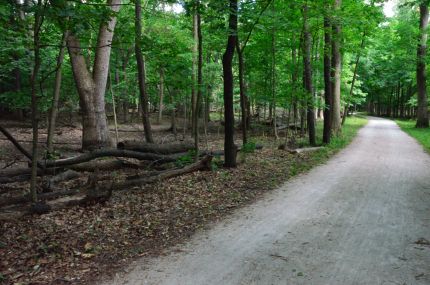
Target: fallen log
{"type": "Point", "coordinates": [18, 178]}
{"type": "Point", "coordinates": [299, 150]}
{"type": "Point", "coordinates": [98, 193]}
{"type": "Point", "coordinates": [109, 153]}
{"type": "Point", "coordinates": [57, 193]}
{"type": "Point", "coordinates": [204, 164]}
{"type": "Point", "coordinates": [67, 175]}
{"type": "Point", "coordinates": [10, 173]}
{"type": "Point", "coordinates": [170, 148]}
{"type": "Point", "coordinates": [105, 165]}
{"type": "Point", "coordinates": [221, 152]}
{"type": "Point", "coordinates": [44, 142]}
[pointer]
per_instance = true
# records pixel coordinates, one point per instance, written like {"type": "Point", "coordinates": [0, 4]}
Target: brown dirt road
{"type": "Point", "coordinates": [361, 219]}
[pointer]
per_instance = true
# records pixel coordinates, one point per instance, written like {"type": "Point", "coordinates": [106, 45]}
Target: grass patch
{"type": "Point", "coordinates": [421, 135]}
{"type": "Point", "coordinates": [349, 131]}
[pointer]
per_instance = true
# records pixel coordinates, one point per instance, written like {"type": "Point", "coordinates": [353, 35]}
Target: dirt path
{"type": "Point", "coordinates": [355, 220]}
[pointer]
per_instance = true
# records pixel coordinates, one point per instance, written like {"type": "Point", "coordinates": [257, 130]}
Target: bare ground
{"type": "Point", "coordinates": [363, 218]}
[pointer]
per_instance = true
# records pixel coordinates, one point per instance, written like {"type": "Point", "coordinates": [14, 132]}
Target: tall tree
{"type": "Point", "coordinates": [33, 83]}
{"type": "Point", "coordinates": [308, 75]}
{"type": "Point", "coordinates": [327, 77]}
{"type": "Point", "coordinates": [141, 74]}
{"type": "Point", "coordinates": [422, 111]}
{"type": "Point", "coordinates": [91, 86]}
{"type": "Point", "coordinates": [194, 87]}
{"type": "Point", "coordinates": [199, 77]}
{"type": "Point", "coordinates": [230, 149]}
{"type": "Point", "coordinates": [336, 68]}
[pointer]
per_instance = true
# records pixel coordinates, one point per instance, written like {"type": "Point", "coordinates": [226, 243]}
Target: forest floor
{"type": "Point", "coordinates": [362, 218]}
{"type": "Point", "coordinates": [83, 244]}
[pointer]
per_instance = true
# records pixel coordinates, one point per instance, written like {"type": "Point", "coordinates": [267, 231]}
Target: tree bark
{"type": "Point", "coordinates": [230, 148]}
{"type": "Point", "coordinates": [327, 79]}
{"type": "Point", "coordinates": [308, 76]}
{"type": "Point", "coordinates": [337, 69]}
{"type": "Point", "coordinates": [422, 111]}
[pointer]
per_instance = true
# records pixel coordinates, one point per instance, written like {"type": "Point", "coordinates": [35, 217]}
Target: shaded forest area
{"type": "Point", "coordinates": [149, 117]}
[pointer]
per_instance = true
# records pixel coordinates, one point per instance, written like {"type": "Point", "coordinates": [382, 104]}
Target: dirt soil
{"type": "Point", "coordinates": [362, 218]}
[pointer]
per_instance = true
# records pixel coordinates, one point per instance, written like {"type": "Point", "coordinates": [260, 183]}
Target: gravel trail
{"type": "Point", "coordinates": [363, 218]}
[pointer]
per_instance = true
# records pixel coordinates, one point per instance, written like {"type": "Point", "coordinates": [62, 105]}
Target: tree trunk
{"type": "Point", "coordinates": [273, 71]}
{"type": "Point", "coordinates": [193, 76]}
{"type": "Point", "coordinates": [54, 108]}
{"type": "Point", "coordinates": [337, 68]}
{"type": "Point", "coordinates": [230, 148]}
{"type": "Point", "coordinates": [199, 79]}
{"type": "Point", "coordinates": [294, 76]}
{"type": "Point", "coordinates": [142, 73]}
{"type": "Point", "coordinates": [308, 76]}
{"type": "Point", "coordinates": [242, 94]}
{"type": "Point", "coordinates": [422, 111]}
{"type": "Point", "coordinates": [161, 106]}
{"type": "Point", "coordinates": [34, 112]}
{"type": "Point", "coordinates": [92, 87]}
{"type": "Point", "coordinates": [115, 119]}
{"type": "Point", "coordinates": [354, 77]}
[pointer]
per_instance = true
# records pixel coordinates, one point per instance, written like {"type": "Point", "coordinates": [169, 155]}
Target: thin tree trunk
{"type": "Point", "coordinates": [193, 76]}
{"type": "Point", "coordinates": [144, 102]}
{"type": "Point", "coordinates": [115, 119]}
{"type": "Point", "coordinates": [354, 77]}
{"type": "Point", "coordinates": [308, 76]}
{"type": "Point", "coordinates": [230, 149]}
{"type": "Point", "coordinates": [54, 108]}
{"type": "Point", "coordinates": [336, 67]}
{"type": "Point", "coordinates": [422, 111]}
{"type": "Point", "coordinates": [34, 112]}
{"type": "Point", "coordinates": [242, 94]}
{"type": "Point", "coordinates": [160, 105]}
{"type": "Point", "coordinates": [199, 80]}
{"type": "Point", "coordinates": [294, 76]}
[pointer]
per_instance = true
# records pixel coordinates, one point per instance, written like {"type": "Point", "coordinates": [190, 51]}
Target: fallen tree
{"type": "Point", "coordinates": [96, 192]}
{"type": "Point", "coordinates": [204, 164]}
{"type": "Point", "coordinates": [170, 148]}
{"type": "Point", "coordinates": [109, 153]}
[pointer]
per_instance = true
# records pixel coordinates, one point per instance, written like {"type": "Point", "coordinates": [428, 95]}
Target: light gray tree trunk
{"type": "Point", "coordinates": [92, 87]}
